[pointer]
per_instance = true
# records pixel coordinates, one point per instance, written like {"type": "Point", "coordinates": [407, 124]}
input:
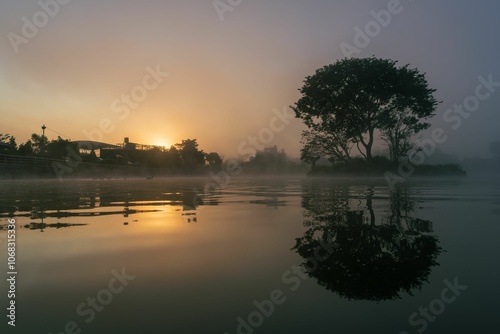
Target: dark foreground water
{"type": "Point", "coordinates": [259, 256]}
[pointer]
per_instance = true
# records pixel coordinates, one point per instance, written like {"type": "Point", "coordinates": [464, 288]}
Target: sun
{"type": "Point", "coordinates": [160, 141]}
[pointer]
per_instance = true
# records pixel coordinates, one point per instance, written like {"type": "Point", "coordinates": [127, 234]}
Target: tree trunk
{"type": "Point", "coordinates": [369, 145]}
{"type": "Point", "coordinates": [368, 152]}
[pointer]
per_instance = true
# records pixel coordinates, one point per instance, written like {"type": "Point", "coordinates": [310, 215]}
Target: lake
{"type": "Point", "coordinates": [264, 255]}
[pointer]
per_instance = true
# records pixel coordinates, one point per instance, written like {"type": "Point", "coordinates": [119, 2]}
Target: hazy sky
{"type": "Point", "coordinates": [227, 76]}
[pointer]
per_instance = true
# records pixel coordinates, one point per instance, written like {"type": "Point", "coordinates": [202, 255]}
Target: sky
{"type": "Point", "coordinates": [159, 72]}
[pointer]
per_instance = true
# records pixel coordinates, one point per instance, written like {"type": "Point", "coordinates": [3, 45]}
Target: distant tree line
{"type": "Point", "coordinates": [271, 161]}
{"type": "Point", "coordinates": [184, 158]}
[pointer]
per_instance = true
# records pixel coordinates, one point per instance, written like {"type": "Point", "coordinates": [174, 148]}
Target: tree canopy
{"type": "Point", "coordinates": [7, 143]}
{"type": "Point", "coordinates": [345, 103]}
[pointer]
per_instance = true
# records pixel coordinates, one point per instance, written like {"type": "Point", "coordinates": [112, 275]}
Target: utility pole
{"type": "Point", "coordinates": [43, 140]}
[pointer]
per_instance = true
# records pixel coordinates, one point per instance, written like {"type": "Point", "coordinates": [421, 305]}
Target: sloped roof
{"type": "Point", "coordinates": [88, 145]}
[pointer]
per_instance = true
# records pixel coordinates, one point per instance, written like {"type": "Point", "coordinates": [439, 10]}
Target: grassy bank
{"type": "Point", "coordinates": [379, 165]}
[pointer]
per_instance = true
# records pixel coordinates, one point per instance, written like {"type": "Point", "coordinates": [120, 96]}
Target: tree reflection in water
{"type": "Point", "coordinates": [361, 256]}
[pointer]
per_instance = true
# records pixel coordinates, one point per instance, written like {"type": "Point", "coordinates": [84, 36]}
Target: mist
{"type": "Point", "coordinates": [228, 72]}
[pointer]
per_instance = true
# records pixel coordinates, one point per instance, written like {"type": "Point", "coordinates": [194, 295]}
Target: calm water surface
{"type": "Point", "coordinates": [259, 256]}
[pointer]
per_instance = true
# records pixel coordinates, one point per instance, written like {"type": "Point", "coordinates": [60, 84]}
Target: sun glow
{"type": "Point", "coordinates": [160, 141]}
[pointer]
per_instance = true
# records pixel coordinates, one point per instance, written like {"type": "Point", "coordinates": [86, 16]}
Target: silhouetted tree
{"type": "Point", "coordinates": [173, 158]}
{"type": "Point", "coordinates": [214, 161]}
{"type": "Point", "coordinates": [37, 142]}
{"type": "Point", "coordinates": [153, 158]}
{"type": "Point", "coordinates": [26, 149]}
{"type": "Point", "coordinates": [4, 138]}
{"type": "Point", "coordinates": [270, 160]}
{"type": "Point", "coordinates": [58, 149]}
{"type": "Point", "coordinates": [399, 132]}
{"type": "Point", "coordinates": [192, 158]}
{"type": "Point", "coordinates": [355, 97]}
{"type": "Point", "coordinates": [8, 144]}
{"type": "Point", "coordinates": [332, 144]}
{"type": "Point", "coordinates": [310, 153]}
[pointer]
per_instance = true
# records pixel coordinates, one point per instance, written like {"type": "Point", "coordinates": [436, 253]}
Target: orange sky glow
{"type": "Point", "coordinates": [98, 70]}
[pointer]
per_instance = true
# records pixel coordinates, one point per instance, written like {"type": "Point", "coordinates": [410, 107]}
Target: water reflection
{"type": "Point", "coordinates": [363, 246]}
{"type": "Point", "coordinates": [43, 199]}
{"type": "Point", "coordinates": [42, 226]}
